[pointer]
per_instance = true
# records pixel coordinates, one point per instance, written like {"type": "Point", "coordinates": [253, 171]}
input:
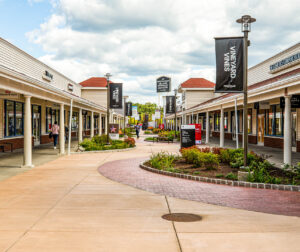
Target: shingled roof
{"type": "Point", "coordinates": [95, 82]}
{"type": "Point", "coordinates": [197, 83]}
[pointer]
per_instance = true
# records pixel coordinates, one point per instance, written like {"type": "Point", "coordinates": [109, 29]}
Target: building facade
{"type": "Point", "coordinates": [273, 106]}
{"type": "Point", "coordinates": [33, 96]}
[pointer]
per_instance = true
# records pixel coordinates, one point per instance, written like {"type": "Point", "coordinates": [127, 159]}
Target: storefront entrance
{"type": "Point", "coordinates": [36, 124]}
{"type": "Point", "coordinates": [261, 129]}
{"type": "Point", "coordinates": [233, 125]}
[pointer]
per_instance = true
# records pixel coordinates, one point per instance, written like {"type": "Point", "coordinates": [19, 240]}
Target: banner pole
{"type": "Point", "coordinates": [236, 125]}
{"type": "Point", "coordinates": [245, 135]}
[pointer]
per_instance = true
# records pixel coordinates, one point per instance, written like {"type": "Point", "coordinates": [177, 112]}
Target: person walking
{"type": "Point", "coordinates": [55, 132]}
{"type": "Point", "coordinates": [137, 130]}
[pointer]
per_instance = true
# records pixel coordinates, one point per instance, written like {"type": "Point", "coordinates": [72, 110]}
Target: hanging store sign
{"type": "Point", "coordinates": [170, 104]}
{"type": "Point", "coordinates": [163, 84]}
{"type": "Point", "coordinates": [295, 101]}
{"type": "Point", "coordinates": [187, 138]}
{"type": "Point", "coordinates": [264, 105]}
{"type": "Point", "coordinates": [287, 61]}
{"type": "Point", "coordinates": [128, 109]}
{"type": "Point", "coordinates": [115, 95]}
{"type": "Point", "coordinates": [229, 64]}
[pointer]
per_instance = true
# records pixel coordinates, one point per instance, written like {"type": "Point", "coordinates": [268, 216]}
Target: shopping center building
{"type": "Point", "coordinates": [33, 96]}
{"type": "Point", "coordinates": [273, 107]}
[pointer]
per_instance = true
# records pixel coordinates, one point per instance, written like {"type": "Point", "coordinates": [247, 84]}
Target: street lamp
{"type": "Point", "coordinates": [245, 21]}
{"type": "Point", "coordinates": [108, 75]}
{"type": "Point", "coordinates": [124, 97]}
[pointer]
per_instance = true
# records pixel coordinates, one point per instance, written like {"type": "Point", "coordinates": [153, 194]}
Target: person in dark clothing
{"type": "Point", "coordinates": [137, 130]}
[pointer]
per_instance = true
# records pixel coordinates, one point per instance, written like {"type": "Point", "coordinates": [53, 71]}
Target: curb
{"type": "Point", "coordinates": [223, 181]}
{"type": "Point", "coordinates": [101, 151]}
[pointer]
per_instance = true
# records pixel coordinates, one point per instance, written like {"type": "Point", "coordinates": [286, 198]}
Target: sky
{"type": "Point", "coordinates": [139, 40]}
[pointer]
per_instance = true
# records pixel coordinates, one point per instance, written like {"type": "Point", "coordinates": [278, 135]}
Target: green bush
{"type": "Point", "coordinates": [163, 160]}
{"type": "Point", "coordinates": [147, 132]}
{"type": "Point", "coordinates": [219, 175]}
{"type": "Point", "coordinates": [231, 176]}
{"type": "Point", "coordinates": [225, 156]}
{"type": "Point", "coordinates": [190, 155]}
{"type": "Point", "coordinates": [200, 159]}
{"type": "Point", "coordinates": [211, 161]}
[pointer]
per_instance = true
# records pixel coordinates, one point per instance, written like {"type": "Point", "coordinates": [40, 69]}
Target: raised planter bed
{"type": "Point", "coordinates": [222, 181]}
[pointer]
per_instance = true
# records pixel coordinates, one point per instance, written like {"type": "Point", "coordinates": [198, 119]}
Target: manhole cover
{"type": "Point", "coordinates": [182, 217]}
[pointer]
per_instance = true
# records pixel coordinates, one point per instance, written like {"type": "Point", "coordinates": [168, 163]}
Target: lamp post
{"type": "Point", "coordinates": [245, 21]}
{"type": "Point", "coordinates": [108, 75]}
{"type": "Point", "coordinates": [175, 91]}
{"type": "Point", "coordinates": [124, 97]}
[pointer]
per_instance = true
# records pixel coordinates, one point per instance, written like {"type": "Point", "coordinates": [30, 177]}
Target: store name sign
{"type": "Point", "coordinates": [285, 61]}
{"type": "Point", "coordinates": [47, 76]}
{"type": "Point", "coordinates": [70, 87]}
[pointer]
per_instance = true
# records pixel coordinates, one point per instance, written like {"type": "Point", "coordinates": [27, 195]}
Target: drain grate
{"type": "Point", "coordinates": [182, 217]}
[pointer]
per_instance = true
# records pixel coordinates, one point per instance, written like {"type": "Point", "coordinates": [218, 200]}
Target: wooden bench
{"type": "Point", "coordinates": [2, 146]}
{"type": "Point", "coordinates": [164, 139]}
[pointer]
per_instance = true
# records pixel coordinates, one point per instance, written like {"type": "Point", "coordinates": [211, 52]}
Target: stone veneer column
{"type": "Point", "coordinates": [27, 159]}
{"type": "Point", "coordinates": [62, 130]}
{"type": "Point", "coordinates": [287, 147]}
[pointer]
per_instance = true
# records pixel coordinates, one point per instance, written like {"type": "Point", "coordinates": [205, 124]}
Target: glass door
{"type": "Point", "coordinates": [233, 125]}
{"type": "Point", "coordinates": [261, 129]}
{"type": "Point", "coordinates": [36, 124]}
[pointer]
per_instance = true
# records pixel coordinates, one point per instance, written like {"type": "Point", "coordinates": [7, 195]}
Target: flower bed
{"type": "Point", "coordinates": [100, 143]}
{"type": "Point", "coordinates": [223, 164]}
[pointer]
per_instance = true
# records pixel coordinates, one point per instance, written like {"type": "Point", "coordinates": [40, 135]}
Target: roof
{"type": "Point", "coordinates": [95, 82]}
{"type": "Point", "coordinates": [197, 83]}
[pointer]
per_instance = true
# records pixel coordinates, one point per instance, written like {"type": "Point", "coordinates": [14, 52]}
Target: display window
{"type": "Point", "coordinates": [14, 118]}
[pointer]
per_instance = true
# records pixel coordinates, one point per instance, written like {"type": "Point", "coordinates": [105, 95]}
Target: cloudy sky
{"type": "Point", "coordinates": [139, 40]}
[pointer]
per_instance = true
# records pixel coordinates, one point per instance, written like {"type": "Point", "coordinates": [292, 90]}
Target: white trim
{"type": "Point", "coordinates": [94, 88]}
{"type": "Point", "coordinates": [197, 89]}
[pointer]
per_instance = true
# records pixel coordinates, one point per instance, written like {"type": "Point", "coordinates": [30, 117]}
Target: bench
{"type": "Point", "coordinates": [2, 146]}
{"type": "Point", "coordinates": [164, 139]}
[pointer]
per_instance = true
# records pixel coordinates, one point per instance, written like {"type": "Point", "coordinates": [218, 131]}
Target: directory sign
{"type": "Point", "coordinates": [187, 138]}
{"type": "Point", "coordinates": [163, 84]}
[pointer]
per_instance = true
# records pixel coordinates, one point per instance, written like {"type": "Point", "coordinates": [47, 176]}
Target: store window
{"type": "Point", "coordinates": [226, 121]}
{"type": "Point", "coordinates": [240, 121]}
{"type": "Point", "coordinates": [14, 118]}
{"type": "Point", "coordinates": [74, 122]}
{"type": "Point", "coordinates": [249, 121]}
{"type": "Point", "coordinates": [217, 122]}
{"type": "Point", "coordinates": [96, 121]}
{"type": "Point", "coordinates": [274, 120]}
{"type": "Point", "coordinates": [52, 116]}
{"type": "Point", "coordinates": [88, 124]}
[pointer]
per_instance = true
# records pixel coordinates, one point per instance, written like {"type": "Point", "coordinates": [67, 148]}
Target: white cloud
{"type": "Point", "coordinates": [139, 40]}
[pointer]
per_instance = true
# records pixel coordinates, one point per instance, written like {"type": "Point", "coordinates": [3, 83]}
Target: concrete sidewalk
{"type": "Point", "coordinates": [66, 205]}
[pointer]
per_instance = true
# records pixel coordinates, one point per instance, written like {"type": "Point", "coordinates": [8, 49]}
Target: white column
{"type": "Point", "coordinates": [92, 124]}
{"type": "Point", "coordinates": [287, 150]}
{"type": "Point", "coordinates": [197, 118]}
{"type": "Point", "coordinates": [62, 130]}
{"type": "Point", "coordinates": [100, 125]}
{"type": "Point", "coordinates": [207, 127]}
{"type": "Point", "coordinates": [27, 159]}
{"type": "Point", "coordinates": [80, 126]}
{"type": "Point", "coordinates": [222, 133]}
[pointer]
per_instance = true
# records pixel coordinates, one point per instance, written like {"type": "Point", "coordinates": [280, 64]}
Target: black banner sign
{"type": "Point", "coordinates": [170, 104]}
{"type": "Point", "coordinates": [229, 64]}
{"type": "Point", "coordinates": [128, 109]}
{"type": "Point", "coordinates": [115, 95]}
{"type": "Point", "coordinates": [163, 84]}
{"type": "Point", "coordinates": [295, 101]}
{"type": "Point", "coordinates": [187, 138]}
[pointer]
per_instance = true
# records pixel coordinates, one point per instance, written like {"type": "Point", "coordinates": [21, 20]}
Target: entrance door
{"type": "Point", "coordinates": [233, 126]}
{"type": "Point", "coordinates": [294, 125]}
{"type": "Point", "coordinates": [36, 124]}
{"type": "Point", "coordinates": [261, 129]}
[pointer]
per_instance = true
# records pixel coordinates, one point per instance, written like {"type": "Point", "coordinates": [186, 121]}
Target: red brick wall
{"type": "Point", "coordinates": [216, 134]}
{"type": "Point", "coordinates": [274, 142]}
{"type": "Point", "coordinates": [228, 136]}
{"type": "Point", "coordinates": [252, 139]}
{"type": "Point", "coordinates": [45, 139]}
{"type": "Point", "coordinates": [18, 143]}
{"type": "Point", "coordinates": [298, 146]}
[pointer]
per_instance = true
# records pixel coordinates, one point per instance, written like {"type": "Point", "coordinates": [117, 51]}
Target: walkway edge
{"type": "Point", "coordinates": [104, 151]}
{"type": "Point", "coordinates": [222, 181]}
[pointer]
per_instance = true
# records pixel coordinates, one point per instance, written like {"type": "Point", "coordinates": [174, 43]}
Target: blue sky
{"type": "Point", "coordinates": [139, 40]}
{"type": "Point", "coordinates": [19, 17]}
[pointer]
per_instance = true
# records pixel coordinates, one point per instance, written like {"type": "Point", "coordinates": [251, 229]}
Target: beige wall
{"type": "Point", "coordinates": [17, 60]}
{"type": "Point", "coordinates": [261, 71]}
{"type": "Point", "coordinates": [194, 97]}
{"type": "Point", "coordinates": [98, 96]}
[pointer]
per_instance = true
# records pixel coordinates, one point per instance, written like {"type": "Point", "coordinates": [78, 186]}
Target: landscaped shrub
{"type": "Point", "coordinates": [147, 132]}
{"type": "Point", "coordinates": [156, 130]}
{"type": "Point", "coordinates": [225, 156]}
{"type": "Point", "coordinates": [194, 156]}
{"type": "Point", "coordinates": [190, 154]}
{"type": "Point", "coordinates": [211, 161]}
{"type": "Point", "coordinates": [205, 150]}
{"type": "Point", "coordinates": [231, 176]}
{"type": "Point", "coordinates": [163, 160]}
{"type": "Point", "coordinates": [130, 141]}
{"type": "Point", "coordinates": [150, 128]}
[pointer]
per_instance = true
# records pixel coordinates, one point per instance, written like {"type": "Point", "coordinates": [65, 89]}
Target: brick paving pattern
{"type": "Point", "coordinates": [261, 200]}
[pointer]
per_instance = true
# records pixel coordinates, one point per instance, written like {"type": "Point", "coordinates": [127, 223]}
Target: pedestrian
{"type": "Point", "coordinates": [55, 132]}
{"type": "Point", "coordinates": [137, 130]}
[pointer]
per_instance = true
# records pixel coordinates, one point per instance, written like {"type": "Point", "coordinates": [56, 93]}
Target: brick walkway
{"type": "Point", "coordinates": [261, 200]}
